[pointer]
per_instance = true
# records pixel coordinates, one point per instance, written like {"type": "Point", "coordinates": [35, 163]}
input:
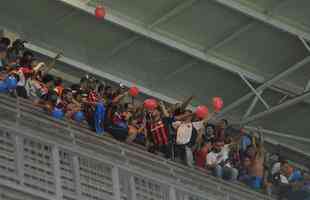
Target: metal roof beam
{"type": "Point", "coordinates": [267, 84]}
{"type": "Point", "coordinates": [174, 42]}
{"type": "Point", "coordinates": [271, 9]}
{"type": "Point", "coordinates": [307, 86]}
{"type": "Point", "coordinates": [258, 94]}
{"type": "Point", "coordinates": [232, 36]}
{"type": "Point", "coordinates": [277, 134]}
{"type": "Point", "coordinates": [277, 108]}
{"type": "Point", "coordinates": [251, 107]}
{"type": "Point", "coordinates": [305, 43]}
{"type": "Point", "coordinates": [93, 70]}
{"type": "Point", "coordinates": [166, 40]}
{"type": "Point", "coordinates": [182, 68]}
{"type": "Point", "coordinates": [264, 18]}
{"type": "Point", "coordinates": [121, 46]}
{"type": "Point", "coordinates": [282, 135]}
{"type": "Point", "coordinates": [182, 6]}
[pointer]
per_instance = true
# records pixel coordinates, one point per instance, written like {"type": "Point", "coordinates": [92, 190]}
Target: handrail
{"type": "Point", "coordinates": [97, 142]}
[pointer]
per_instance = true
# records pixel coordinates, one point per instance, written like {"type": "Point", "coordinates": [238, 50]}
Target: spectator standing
{"type": "Point", "coordinates": [201, 152]}
{"type": "Point", "coordinates": [210, 133]}
{"type": "Point", "coordinates": [220, 130]}
{"type": "Point", "coordinates": [256, 153]}
{"type": "Point", "coordinates": [187, 134]}
{"type": "Point", "coordinates": [3, 53]}
{"type": "Point", "coordinates": [159, 133]}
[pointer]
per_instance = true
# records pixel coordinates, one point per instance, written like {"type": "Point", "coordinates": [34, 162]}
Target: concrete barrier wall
{"type": "Point", "coordinates": [53, 159]}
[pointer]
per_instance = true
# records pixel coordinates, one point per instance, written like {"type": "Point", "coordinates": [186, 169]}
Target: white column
{"type": "Point", "coordinates": [56, 163]}
{"type": "Point", "coordinates": [18, 112]}
{"type": "Point", "coordinates": [133, 191]}
{"type": "Point", "coordinates": [172, 193]}
{"type": "Point", "coordinates": [77, 177]}
{"type": "Point", "coordinates": [19, 155]}
{"type": "Point", "coordinates": [116, 183]}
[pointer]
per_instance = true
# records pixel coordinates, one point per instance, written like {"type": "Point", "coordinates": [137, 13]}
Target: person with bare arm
{"type": "Point", "coordinates": [256, 153]}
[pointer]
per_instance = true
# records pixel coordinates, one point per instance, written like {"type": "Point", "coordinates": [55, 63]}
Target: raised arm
{"type": "Point", "coordinates": [186, 102]}
{"type": "Point", "coordinates": [118, 98]}
{"type": "Point", "coordinates": [260, 145]}
{"type": "Point", "coordinates": [164, 109]}
{"type": "Point", "coordinates": [183, 116]}
{"type": "Point", "coordinates": [52, 63]}
{"type": "Point", "coordinates": [206, 120]}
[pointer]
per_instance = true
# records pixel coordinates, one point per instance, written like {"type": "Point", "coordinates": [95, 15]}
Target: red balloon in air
{"type": "Point", "coordinates": [133, 91]}
{"type": "Point", "coordinates": [100, 12]}
{"type": "Point", "coordinates": [150, 104]}
{"type": "Point", "coordinates": [202, 112]}
{"type": "Point", "coordinates": [218, 104]}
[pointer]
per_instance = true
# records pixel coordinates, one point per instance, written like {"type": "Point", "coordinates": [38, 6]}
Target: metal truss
{"type": "Point", "coordinates": [305, 43]}
{"type": "Point", "coordinates": [184, 46]}
{"type": "Point", "coordinates": [265, 17]}
{"type": "Point", "coordinates": [276, 108]}
{"type": "Point", "coordinates": [231, 37]}
{"type": "Point", "coordinates": [278, 134]}
{"type": "Point", "coordinates": [182, 6]}
{"type": "Point", "coordinates": [282, 103]}
{"type": "Point", "coordinates": [265, 85]}
{"type": "Point", "coordinates": [252, 106]}
{"type": "Point", "coordinates": [121, 46]}
{"type": "Point", "coordinates": [93, 70]}
{"type": "Point", "coordinates": [258, 94]}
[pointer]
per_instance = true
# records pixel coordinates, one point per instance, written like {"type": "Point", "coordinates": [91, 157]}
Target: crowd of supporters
{"type": "Point", "coordinates": [169, 130]}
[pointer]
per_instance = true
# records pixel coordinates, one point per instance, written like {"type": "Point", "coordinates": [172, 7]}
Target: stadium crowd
{"type": "Point", "coordinates": [170, 130]}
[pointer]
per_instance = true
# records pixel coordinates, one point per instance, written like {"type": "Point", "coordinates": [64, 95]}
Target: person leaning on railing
{"type": "Point", "coordinates": [169, 129]}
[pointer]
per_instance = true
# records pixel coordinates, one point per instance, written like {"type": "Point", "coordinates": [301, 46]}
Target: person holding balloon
{"type": "Point", "coordinates": [160, 125]}
{"type": "Point", "coordinates": [188, 133]}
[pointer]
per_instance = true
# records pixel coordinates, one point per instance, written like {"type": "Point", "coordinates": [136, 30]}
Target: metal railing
{"type": "Point", "coordinates": [53, 159]}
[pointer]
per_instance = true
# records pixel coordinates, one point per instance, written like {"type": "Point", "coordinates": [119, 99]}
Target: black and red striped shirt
{"type": "Point", "coordinates": [92, 97]}
{"type": "Point", "coordinates": [159, 133]}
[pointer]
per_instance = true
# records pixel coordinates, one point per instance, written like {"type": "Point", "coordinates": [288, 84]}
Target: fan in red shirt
{"type": "Point", "coordinates": [159, 132]}
{"type": "Point", "coordinates": [220, 130]}
{"type": "Point", "coordinates": [92, 97]}
{"type": "Point", "coordinates": [202, 152]}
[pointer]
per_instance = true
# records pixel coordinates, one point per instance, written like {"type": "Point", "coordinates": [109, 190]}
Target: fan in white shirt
{"type": "Point", "coordinates": [217, 156]}
{"type": "Point", "coordinates": [184, 130]}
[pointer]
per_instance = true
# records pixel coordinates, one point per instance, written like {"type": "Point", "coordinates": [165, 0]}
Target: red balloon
{"type": "Point", "coordinates": [218, 103]}
{"type": "Point", "coordinates": [100, 12]}
{"type": "Point", "coordinates": [150, 104]}
{"type": "Point", "coordinates": [134, 91]}
{"type": "Point", "coordinates": [202, 112]}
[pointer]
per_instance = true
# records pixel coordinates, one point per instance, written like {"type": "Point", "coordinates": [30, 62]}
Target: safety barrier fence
{"type": "Point", "coordinates": [44, 158]}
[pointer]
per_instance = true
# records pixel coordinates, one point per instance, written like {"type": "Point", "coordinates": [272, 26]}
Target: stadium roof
{"type": "Point", "coordinates": [176, 48]}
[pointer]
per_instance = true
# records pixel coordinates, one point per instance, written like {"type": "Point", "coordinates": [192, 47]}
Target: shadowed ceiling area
{"type": "Point", "coordinates": [179, 48]}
